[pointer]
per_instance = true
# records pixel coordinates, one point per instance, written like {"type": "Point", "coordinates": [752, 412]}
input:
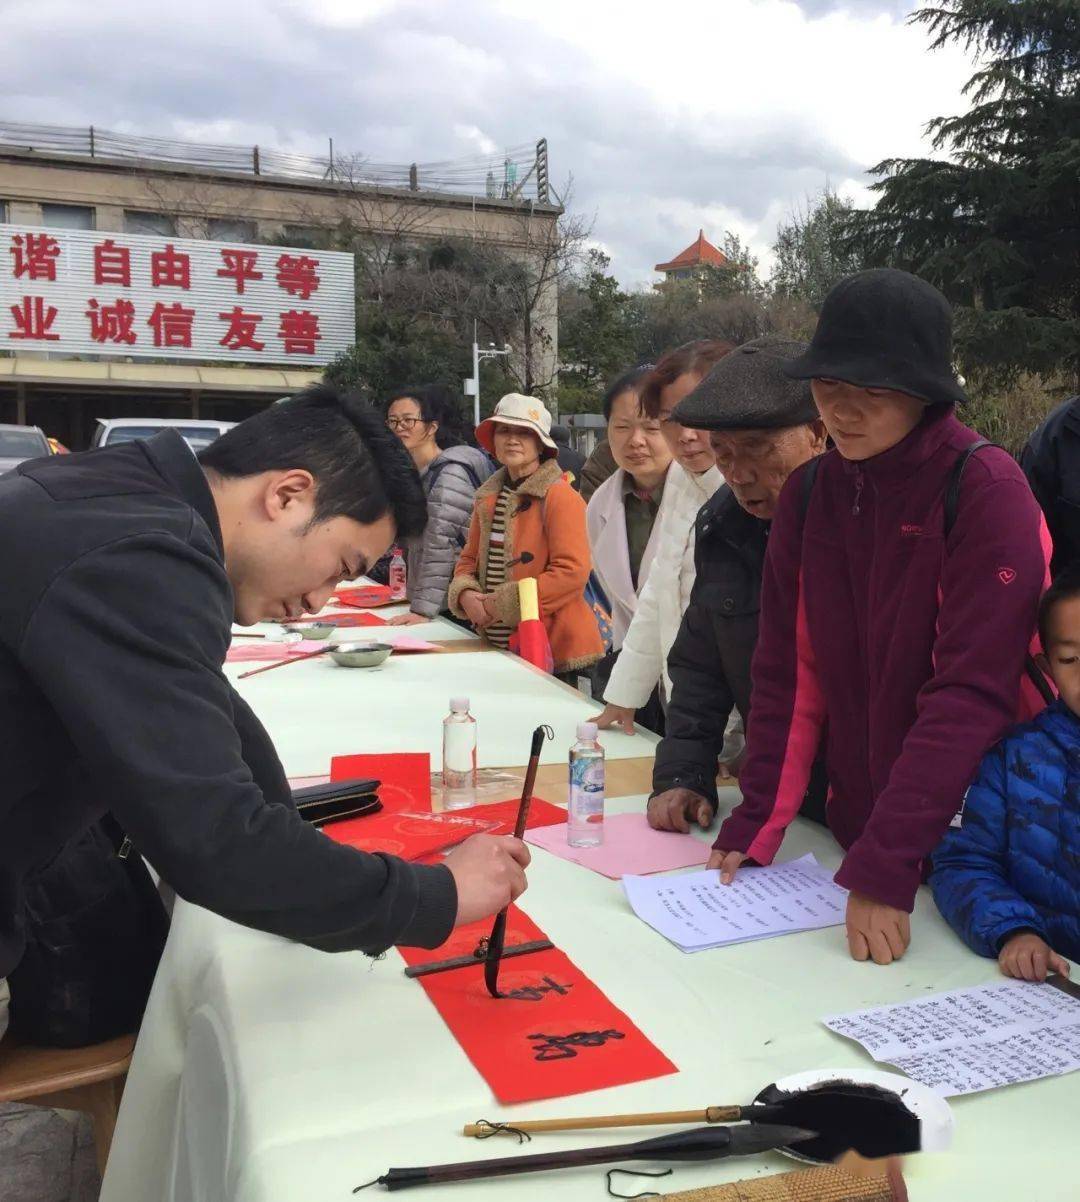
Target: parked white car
{"type": "Point", "coordinates": [19, 443]}
{"type": "Point", "coordinates": [195, 432]}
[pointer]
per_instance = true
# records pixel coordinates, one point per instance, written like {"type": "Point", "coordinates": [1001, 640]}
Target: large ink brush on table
{"type": "Point", "coordinates": [700, 1143]}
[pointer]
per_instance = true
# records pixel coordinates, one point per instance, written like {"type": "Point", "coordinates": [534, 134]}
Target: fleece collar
{"type": "Point", "coordinates": [536, 485]}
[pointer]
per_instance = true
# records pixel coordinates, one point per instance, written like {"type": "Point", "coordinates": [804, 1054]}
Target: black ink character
{"type": "Point", "coordinates": [563, 1047]}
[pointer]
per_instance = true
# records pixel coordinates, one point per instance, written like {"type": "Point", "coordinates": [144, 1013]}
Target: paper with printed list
{"type": "Point", "coordinates": [973, 1039]}
{"type": "Point", "coordinates": [696, 912]}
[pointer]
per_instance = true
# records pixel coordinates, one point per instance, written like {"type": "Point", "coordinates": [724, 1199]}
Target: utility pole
{"type": "Point", "coordinates": [472, 387]}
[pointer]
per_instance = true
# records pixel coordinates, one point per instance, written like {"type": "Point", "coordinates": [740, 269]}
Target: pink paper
{"type": "Point", "coordinates": [403, 643]}
{"type": "Point", "coordinates": [243, 652]}
{"type": "Point", "coordinates": [630, 848]}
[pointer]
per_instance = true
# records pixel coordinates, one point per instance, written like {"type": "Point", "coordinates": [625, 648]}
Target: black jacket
{"type": "Point", "coordinates": [115, 617]}
{"type": "Point", "coordinates": [709, 661]}
{"type": "Point", "coordinates": [1051, 462]}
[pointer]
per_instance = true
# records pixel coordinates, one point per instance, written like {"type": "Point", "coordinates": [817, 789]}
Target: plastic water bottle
{"type": "Point", "coordinates": [397, 576]}
{"type": "Point", "coordinates": [459, 756]}
{"type": "Point", "coordinates": [585, 822]}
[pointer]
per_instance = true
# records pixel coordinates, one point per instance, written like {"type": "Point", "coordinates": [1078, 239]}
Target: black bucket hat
{"type": "Point", "coordinates": [749, 390]}
{"type": "Point", "coordinates": [884, 328]}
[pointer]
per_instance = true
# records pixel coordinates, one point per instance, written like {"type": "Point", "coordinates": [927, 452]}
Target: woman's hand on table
{"type": "Point", "coordinates": [409, 619]}
{"type": "Point", "coordinates": [489, 872]}
{"type": "Point", "coordinates": [675, 809]}
{"type": "Point", "coordinates": [875, 931]}
{"type": "Point", "coordinates": [1029, 958]}
{"type": "Point", "coordinates": [623, 715]}
{"type": "Point", "coordinates": [729, 863]}
{"type": "Point", "coordinates": [472, 603]}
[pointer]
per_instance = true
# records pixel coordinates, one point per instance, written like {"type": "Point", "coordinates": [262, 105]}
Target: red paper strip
{"type": "Point", "coordinates": [410, 836]}
{"type": "Point", "coordinates": [343, 621]}
{"type": "Point", "coordinates": [554, 1034]}
{"type": "Point", "coordinates": [404, 778]}
{"type": "Point", "coordinates": [504, 813]}
{"type": "Point", "coordinates": [368, 596]}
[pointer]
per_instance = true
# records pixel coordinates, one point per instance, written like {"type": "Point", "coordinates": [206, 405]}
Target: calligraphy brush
{"type": "Point", "coordinates": [699, 1143]}
{"type": "Point", "coordinates": [872, 1120]}
{"type": "Point", "coordinates": [498, 931]}
{"type": "Point", "coordinates": [292, 659]}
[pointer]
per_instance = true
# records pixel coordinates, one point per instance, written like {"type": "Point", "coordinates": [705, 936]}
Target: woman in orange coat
{"type": "Point", "coordinates": [527, 510]}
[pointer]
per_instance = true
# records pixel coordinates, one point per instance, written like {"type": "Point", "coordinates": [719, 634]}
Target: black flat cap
{"type": "Point", "coordinates": [749, 390]}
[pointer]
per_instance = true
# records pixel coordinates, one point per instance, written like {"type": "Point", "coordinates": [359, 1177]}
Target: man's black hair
{"type": "Point", "coordinates": [629, 381]}
{"type": "Point", "coordinates": [361, 470]}
{"type": "Point", "coordinates": [1066, 586]}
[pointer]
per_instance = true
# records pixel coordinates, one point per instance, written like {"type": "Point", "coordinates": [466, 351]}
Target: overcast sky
{"type": "Point", "coordinates": [722, 114]}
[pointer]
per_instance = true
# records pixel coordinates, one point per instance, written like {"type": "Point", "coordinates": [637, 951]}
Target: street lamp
{"type": "Point", "coordinates": [472, 387]}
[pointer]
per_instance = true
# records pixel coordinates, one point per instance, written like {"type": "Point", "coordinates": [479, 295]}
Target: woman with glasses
{"type": "Point", "coordinates": [431, 428]}
{"type": "Point", "coordinates": [691, 480]}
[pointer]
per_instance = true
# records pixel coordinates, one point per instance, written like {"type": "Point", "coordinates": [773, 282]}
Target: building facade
{"type": "Point", "coordinates": [691, 264]}
{"type": "Point", "coordinates": [84, 180]}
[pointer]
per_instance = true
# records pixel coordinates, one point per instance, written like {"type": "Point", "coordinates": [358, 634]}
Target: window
{"type": "Point", "coordinates": [315, 236]}
{"type": "Point", "coordinates": [67, 217]}
{"type": "Point", "coordinates": [227, 229]}
{"type": "Point", "coordinates": [136, 222]}
{"type": "Point", "coordinates": [3, 210]}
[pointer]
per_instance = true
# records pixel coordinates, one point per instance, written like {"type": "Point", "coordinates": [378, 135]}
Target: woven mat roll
{"type": "Point", "coordinates": [828, 1184]}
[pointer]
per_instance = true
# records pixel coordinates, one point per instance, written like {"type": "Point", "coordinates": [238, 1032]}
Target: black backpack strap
{"type": "Point", "coordinates": [952, 494]}
{"type": "Point", "coordinates": [952, 503]}
{"type": "Point", "coordinates": [808, 477]}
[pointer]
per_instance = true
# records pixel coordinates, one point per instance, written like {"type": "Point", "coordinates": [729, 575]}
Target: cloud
{"type": "Point", "coordinates": [715, 116]}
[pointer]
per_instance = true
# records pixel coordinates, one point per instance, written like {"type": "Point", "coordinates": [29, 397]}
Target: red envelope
{"type": "Point", "coordinates": [405, 777]}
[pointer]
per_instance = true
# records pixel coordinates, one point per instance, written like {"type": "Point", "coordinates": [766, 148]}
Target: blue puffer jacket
{"type": "Point", "coordinates": [1014, 862]}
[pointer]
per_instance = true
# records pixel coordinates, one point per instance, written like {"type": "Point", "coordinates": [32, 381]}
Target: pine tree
{"type": "Point", "coordinates": [995, 222]}
{"type": "Point", "coordinates": [812, 250]}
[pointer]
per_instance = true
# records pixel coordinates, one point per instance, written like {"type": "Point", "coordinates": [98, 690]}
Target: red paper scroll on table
{"type": "Point", "coordinates": [553, 1034]}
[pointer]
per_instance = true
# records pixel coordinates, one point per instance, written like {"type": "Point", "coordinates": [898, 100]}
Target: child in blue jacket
{"type": "Point", "coordinates": [1007, 874]}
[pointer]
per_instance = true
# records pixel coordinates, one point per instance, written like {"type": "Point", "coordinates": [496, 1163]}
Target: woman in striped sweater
{"type": "Point", "coordinates": [527, 521]}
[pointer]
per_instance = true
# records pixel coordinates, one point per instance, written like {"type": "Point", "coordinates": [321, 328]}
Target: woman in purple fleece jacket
{"type": "Point", "coordinates": [897, 646]}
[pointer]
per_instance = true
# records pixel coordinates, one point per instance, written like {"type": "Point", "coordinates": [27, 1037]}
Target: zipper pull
{"type": "Point", "coordinates": [125, 849]}
{"type": "Point", "coordinates": [855, 508]}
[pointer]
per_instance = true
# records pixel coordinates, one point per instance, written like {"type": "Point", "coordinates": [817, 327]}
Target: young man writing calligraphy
{"type": "Point", "coordinates": [126, 569]}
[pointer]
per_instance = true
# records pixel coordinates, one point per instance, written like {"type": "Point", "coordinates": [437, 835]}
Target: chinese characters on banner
{"type": "Point", "coordinates": [104, 293]}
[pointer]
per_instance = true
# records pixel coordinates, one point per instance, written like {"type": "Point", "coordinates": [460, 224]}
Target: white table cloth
{"type": "Point", "coordinates": [267, 1072]}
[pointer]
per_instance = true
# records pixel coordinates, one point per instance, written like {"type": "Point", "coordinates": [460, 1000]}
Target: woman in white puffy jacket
{"type": "Point", "coordinates": [691, 481]}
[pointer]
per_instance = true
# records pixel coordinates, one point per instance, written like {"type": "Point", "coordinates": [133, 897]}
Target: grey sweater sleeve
{"type": "Point", "coordinates": [127, 644]}
{"type": "Point", "coordinates": [450, 505]}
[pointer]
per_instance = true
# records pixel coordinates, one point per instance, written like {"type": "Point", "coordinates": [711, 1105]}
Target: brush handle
{"type": "Point", "coordinates": [506, 1166]}
{"type": "Point", "coordinates": [712, 1114]}
{"type": "Point", "coordinates": [293, 659]}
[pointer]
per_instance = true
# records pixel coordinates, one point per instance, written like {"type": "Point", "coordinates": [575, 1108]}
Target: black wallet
{"type": "Point", "coordinates": [337, 800]}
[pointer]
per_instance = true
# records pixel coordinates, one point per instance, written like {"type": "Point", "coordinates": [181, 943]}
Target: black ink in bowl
{"type": "Point", "coordinates": [872, 1120]}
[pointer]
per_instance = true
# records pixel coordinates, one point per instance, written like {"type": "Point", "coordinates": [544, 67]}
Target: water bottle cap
{"type": "Point", "coordinates": [459, 703]}
{"type": "Point", "coordinates": [586, 732]}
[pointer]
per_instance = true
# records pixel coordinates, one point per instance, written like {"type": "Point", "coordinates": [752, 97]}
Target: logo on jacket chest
{"type": "Point", "coordinates": [910, 530]}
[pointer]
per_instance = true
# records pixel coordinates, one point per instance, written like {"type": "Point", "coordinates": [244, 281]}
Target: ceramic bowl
{"type": "Point", "coordinates": [361, 655]}
{"type": "Point", "coordinates": [933, 1112]}
{"type": "Point", "coordinates": [313, 630]}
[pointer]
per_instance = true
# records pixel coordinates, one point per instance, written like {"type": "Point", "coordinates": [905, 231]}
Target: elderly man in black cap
{"type": "Point", "coordinates": [763, 425]}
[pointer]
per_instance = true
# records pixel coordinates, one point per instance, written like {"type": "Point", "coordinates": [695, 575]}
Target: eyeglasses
{"type": "Point", "coordinates": [402, 423]}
